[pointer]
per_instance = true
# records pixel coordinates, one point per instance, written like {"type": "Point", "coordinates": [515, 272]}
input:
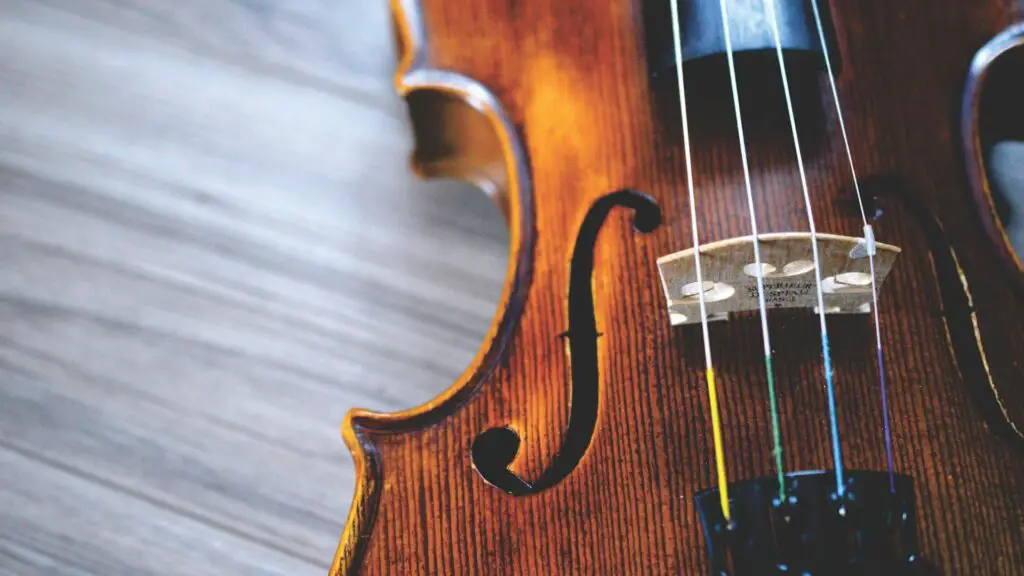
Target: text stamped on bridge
{"type": "Point", "coordinates": [730, 275]}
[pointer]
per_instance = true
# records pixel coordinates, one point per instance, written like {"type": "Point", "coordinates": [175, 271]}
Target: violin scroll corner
{"type": "Point", "coordinates": [362, 514]}
{"type": "Point", "coordinates": [356, 421]}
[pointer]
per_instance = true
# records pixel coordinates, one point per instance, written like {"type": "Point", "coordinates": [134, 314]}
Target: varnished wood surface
{"type": "Point", "coordinates": [211, 249]}
{"type": "Point", "coordinates": [570, 87]}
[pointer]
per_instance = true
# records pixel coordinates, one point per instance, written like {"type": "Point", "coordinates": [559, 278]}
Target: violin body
{"type": "Point", "coordinates": [579, 437]}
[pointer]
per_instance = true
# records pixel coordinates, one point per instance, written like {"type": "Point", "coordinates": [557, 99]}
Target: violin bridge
{"type": "Point", "coordinates": [730, 275]}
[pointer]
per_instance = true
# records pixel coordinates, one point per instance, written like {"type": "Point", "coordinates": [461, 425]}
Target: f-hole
{"type": "Point", "coordinates": [957, 307]}
{"type": "Point", "coordinates": [495, 449]}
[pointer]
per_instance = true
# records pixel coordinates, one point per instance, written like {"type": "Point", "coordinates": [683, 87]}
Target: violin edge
{"type": "Point", "coordinates": [1010, 39]}
{"type": "Point", "coordinates": [412, 75]}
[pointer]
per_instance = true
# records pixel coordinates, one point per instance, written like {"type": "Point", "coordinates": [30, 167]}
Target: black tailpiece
{"type": "Point", "coordinates": [869, 530]}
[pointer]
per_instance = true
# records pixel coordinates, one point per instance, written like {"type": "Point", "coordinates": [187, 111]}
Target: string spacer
{"type": "Point", "coordinates": [869, 240]}
{"type": "Point", "coordinates": [866, 246]}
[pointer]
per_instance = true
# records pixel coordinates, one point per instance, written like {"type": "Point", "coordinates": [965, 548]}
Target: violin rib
{"type": "Point", "coordinates": [509, 186]}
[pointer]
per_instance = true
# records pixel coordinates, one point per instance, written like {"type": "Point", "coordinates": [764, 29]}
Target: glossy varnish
{"type": "Point", "coordinates": [558, 94]}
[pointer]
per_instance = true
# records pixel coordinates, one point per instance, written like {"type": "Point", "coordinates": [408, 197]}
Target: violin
{"type": "Point", "coordinates": [762, 314]}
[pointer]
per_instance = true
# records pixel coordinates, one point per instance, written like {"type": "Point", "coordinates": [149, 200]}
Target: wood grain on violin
{"type": "Point", "coordinates": [576, 441]}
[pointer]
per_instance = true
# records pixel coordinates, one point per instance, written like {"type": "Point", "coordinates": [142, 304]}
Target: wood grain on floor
{"type": "Point", "coordinates": [210, 249]}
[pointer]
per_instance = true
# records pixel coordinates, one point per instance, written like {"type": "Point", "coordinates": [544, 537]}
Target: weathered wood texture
{"type": "Point", "coordinates": [572, 79]}
{"type": "Point", "coordinates": [210, 249]}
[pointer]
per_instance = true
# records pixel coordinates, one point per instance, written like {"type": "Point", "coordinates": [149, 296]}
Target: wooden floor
{"type": "Point", "coordinates": [211, 249]}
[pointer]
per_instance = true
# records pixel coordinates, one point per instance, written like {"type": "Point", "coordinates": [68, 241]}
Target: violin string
{"type": "Point", "coordinates": [869, 241]}
{"type": "Point", "coordinates": [756, 238]}
{"type": "Point", "coordinates": [837, 455]}
{"type": "Point", "coordinates": [716, 426]}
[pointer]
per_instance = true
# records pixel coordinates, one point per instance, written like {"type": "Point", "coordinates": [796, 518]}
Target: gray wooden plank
{"type": "Point", "coordinates": [210, 249]}
{"type": "Point", "coordinates": [58, 522]}
{"type": "Point", "coordinates": [188, 466]}
{"type": "Point", "coordinates": [330, 44]}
